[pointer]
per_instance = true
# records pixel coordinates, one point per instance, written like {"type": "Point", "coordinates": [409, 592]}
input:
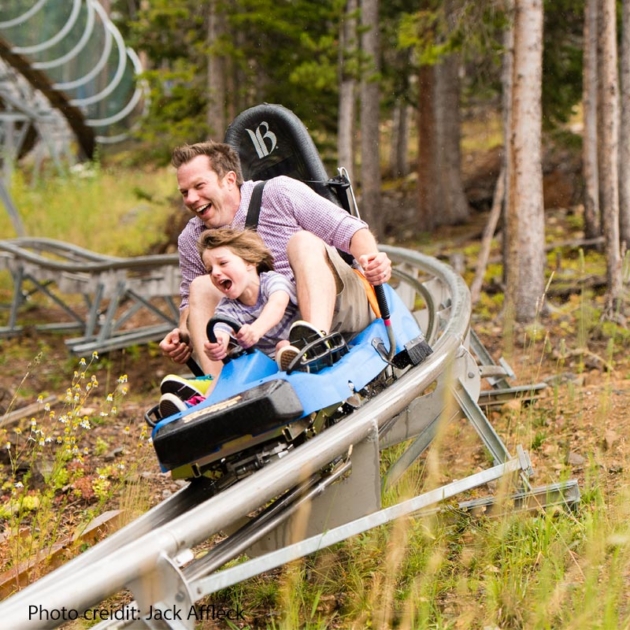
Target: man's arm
{"type": "Point", "coordinates": [177, 343]}
{"type": "Point", "coordinates": [183, 320]}
{"type": "Point", "coordinates": [377, 267]}
{"type": "Point", "coordinates": [190, 264]}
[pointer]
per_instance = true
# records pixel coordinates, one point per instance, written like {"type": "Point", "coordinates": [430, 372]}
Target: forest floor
{"type": "Point", "coordinates": [582, 418]}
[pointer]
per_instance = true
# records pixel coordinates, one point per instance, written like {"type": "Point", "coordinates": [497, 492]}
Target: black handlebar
{"type": "Point", "coordinates": [212, 338]}
{"type": "Point", "coordinates": [382, 301]}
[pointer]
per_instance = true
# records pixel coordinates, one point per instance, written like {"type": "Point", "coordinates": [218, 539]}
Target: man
{"type": "Point", "coordinates": [302, 230]}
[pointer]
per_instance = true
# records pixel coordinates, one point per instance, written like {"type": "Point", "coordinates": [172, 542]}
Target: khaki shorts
{"type": "Point", "coordinates": [352, 309]}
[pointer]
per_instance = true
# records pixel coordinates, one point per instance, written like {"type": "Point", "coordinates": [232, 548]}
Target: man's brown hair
{"type": "Point", "coordinates": [223, 158]}
{"type": "Point", "coordinates": [245, 244]}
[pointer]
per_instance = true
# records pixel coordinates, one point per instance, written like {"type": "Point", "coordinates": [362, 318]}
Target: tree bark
{"type": "Point", "coordinates": [506, 121]}
{"type": "Point", "coordinates": [624, 132]}
{"type": "Point", "coordinates": [454, 205]}
{"type": "Point", "coordinates": [347, 88]}
{"type": "Point", "coordinates": [370, 95]}
{"type": "Point", "coordinates": [525, 229]}
{"type": "Point", "coordinates": [427, 175]}
{"type": "Point", "coordinates": [589, 142]}
{"type": "Point", "coordinates": [216, 116]}
{"type": "Point", "coordinates": [609, 149]}
{"type": "Point", "coordinates": [398, 163]}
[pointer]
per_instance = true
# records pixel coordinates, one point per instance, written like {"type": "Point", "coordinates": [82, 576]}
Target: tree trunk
{"type": "Point", "coordinates": [589, 142]}
{"type": "Point", "coordinates": [216, 73]}
{"type": "Point", "coordinates": [624, 132]}
{"type": "Point", "coordinates": [427, 146]}
{"type": "Point", "coordinates": [506, 104]}
{"type": "Point", "coordinates": [398, 163]}
{"type": "Point", "coordinates": [347, 88]}
{"type": "Point", "coordinates": [525, 231]}
{"type": "Point", "coordinates": [370, 154]}
{"type": "Point", "coordinates": [454, 205]}
{"type": "Point", "coordinates": [609, 149]}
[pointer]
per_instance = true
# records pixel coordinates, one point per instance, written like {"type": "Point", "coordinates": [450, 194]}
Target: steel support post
{"type": "Point", "coordinates": [356, 495]}
{"type": "Point", "coordinates": [165, 594]}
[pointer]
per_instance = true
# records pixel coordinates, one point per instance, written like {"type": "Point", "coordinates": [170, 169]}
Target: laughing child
{"type": "Point", "coordinates": [263, 301]}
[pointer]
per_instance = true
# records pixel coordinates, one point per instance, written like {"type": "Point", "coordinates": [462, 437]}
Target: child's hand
{"type": "Point", "coordinates": [247, 336]}
{"type": "Point", "coordinates": [217, 351]}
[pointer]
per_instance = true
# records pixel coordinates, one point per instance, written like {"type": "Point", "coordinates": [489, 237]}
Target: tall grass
{"type": "Point", "coordinates": [108, 210]}
{"type": "Point", "coordinates": [550, 569]}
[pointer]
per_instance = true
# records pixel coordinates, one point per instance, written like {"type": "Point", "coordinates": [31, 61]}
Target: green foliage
{"type": "Point", "coordinates": [426, 31]}
{"type": "Point", "coordinates": [287, 52]}
{"type": "Point", "coordinates": [176, 113]}
{"type": "Point", "coordinates": [475, 30]}
{"type": "Point", "coordinates": [562, 60]}
{"type": "Point", "coordinates": [490, 306]}
{"type": "Point", "coordinates": [277, 51]}
{"type": "Point", "coordinates": [471, 28]}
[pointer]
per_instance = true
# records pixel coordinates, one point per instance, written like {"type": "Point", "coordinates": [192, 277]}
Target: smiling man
{"type": "Point", "coordinates": [303, 231]}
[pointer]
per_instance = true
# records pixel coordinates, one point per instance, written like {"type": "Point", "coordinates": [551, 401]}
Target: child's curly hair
{"type": "Point", "coordinates": [245, 244]}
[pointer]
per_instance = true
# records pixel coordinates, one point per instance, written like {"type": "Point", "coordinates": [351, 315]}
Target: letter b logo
{"type": "Point", "coordinates": [259, 140]}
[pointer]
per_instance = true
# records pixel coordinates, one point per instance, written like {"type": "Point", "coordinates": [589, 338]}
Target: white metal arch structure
{"type": "Point", "coordinates": [72, 52]}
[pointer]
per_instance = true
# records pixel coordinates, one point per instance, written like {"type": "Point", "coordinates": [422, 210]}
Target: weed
{"type": "Point", "coordinates": [46, 468]}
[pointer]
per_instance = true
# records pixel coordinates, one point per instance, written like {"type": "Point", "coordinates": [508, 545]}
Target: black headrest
{"type": "Point", "coordinates": [271, 140]}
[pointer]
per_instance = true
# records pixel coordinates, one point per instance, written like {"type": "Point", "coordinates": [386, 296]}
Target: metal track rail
{"type": "Point", "coordinates": [120, 296]}
{"type": "Point", "coordinates": [151, 565]}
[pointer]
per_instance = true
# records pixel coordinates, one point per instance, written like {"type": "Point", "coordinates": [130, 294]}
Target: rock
{"type": "Point", "coordinates": [575, 459]}
{"type": "Point", "coordinates": [610, 437]}
{"type": "Point", "coordinates": [113, 454]}
{"type": "Point", "coordinates": [511, 405]}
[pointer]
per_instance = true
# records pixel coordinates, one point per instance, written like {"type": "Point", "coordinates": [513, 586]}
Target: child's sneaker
{"type": "Point", "coordinates": [286, 355]}
{"type": "Point", "coordinates": [170, 404]}
{"type": "Point", "coordinates": [185, 388]}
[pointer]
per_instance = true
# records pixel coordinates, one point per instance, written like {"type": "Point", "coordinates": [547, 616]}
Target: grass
{"type": "Point", "coordinates": [43, 462]}
{"type": "Point", "coordinates": [552, 569]}
{"type": "Point", "coordinates": [46, 473]}
{"type": "Point", "coordinates": [107, 210]}
{"type": "Point", "coordinates": [482, 133]}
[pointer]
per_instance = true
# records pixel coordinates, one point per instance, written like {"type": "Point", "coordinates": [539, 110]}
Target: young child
{"type": "Point", "coordinates": [263, 301]}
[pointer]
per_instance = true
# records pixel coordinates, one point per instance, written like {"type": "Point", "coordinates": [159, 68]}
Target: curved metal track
{"type": "Point", "coordinates": [74, 55]}
{"type": "Point", "coordinates": [338, 471]}
{"type": "Point", "coordinates": [114, 290]}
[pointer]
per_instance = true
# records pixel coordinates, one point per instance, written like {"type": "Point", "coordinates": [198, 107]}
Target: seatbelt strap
{"type": "Point", "coordinates": [253, 212]}
{"type": "Point", "coordinates": [369, 293]}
